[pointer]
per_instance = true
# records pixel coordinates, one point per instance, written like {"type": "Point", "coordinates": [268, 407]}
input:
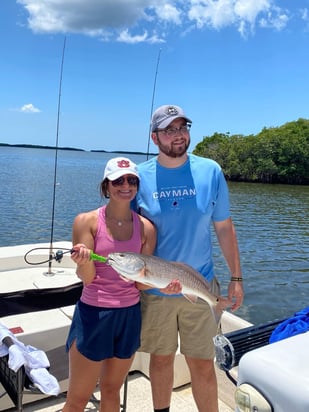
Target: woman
{"type": "Point", "coordinates": [105, 330]}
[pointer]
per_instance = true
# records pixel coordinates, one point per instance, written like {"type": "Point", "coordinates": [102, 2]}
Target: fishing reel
{"type": "Point", "coordinates": [36, 259]}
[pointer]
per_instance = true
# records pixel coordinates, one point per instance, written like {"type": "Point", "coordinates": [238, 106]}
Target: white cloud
{"type": "Point", "coordinates": [168, 12]}
{"type": "Point", "coordinates": [82, 15]}
{"type": "Point", "coordinates": [243, 14]}
{"type": "Point", "coordinates": [304, 14]}
{"type": "Point", "coordinates": [249, 10]}
{"type": "Point", "coordinates": [216, 14]}
{"type": "Point", "coordinates": [29, 108]}
{"type": "Point", "coordinates": [278, 22]}
{"type": "Point", "coordinates": [126, 37]}
{"type": "Point", "coordinates": [151, 20]}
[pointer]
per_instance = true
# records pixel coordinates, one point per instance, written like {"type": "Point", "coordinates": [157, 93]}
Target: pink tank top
{"type": "Point", "coordinates": [107, 289]}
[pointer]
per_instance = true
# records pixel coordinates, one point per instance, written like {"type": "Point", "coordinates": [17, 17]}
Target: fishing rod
{"type": "Point", "coordinates": [57, 256]}
{"type": "Point", "coordinates": [152, 101]}
{"type": "Point", "coordinates": [50, 272]}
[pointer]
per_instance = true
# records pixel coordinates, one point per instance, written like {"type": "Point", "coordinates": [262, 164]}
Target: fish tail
{"type": "Point", "coordinates": [217, 312]}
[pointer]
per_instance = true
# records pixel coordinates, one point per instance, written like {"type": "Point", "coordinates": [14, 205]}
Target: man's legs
{"type": "Point", "coordinates": [161, 370]}
{"type": "Point", "coordinates": [159, 338]}
{"type": "Point", "coordinates": [204, 384]}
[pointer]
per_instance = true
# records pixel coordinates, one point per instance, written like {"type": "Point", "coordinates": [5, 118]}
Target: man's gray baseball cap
{"type": "Point", "coordinates": [164, 116]}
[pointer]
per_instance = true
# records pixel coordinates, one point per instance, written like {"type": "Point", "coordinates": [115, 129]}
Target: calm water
{"type": "Point", "coordinates": [271, 222]}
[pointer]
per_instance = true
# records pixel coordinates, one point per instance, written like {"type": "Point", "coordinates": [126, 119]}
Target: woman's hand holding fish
{"type": "Point", "coordinates": [174, 287]}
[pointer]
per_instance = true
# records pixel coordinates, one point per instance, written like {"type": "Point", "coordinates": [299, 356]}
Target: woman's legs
{"type": "Point", "coordinates": [113, 374]}
{"type": "Point", "coordinates": [84, 374]}
{"type": "Point", "coordinates": [83, 378]}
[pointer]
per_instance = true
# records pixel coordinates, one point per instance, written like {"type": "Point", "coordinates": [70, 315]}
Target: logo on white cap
{"type": "Point", "coordinates": [123, 163]}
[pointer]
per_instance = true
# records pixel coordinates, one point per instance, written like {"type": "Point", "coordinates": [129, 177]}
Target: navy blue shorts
{"type": "Point", "coordinates": [102, 333]}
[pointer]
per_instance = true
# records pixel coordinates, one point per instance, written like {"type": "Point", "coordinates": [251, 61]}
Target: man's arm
{"type": "Point", "coordinates": [227, 239]}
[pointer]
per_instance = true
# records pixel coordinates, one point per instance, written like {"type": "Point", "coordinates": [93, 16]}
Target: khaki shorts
{"type": "Point", "coordinates": [163, 318]}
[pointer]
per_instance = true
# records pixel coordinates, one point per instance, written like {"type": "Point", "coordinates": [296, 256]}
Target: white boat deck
{"type": "Point", "coordinates": [47, 330]}
{"type": "Point", "coordinates": [138, 399]}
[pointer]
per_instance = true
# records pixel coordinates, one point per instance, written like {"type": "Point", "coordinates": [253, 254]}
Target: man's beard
{"type": "Point", "coordinates": [171, 151]}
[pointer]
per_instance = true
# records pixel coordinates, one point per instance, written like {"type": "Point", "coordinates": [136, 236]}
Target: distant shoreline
{"type": "Point", "coordinates": [35, 146]}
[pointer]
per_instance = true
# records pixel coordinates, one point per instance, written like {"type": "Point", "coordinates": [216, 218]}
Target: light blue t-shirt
{"type": "Point", "coordinates": [183, 202]}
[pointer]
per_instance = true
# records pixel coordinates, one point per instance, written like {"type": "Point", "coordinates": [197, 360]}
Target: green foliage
{"type": "Point", "coordinates": [275, 155]}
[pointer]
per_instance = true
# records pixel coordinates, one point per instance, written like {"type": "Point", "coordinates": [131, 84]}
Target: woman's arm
{"type": "Point", "coordinates": [84, 228]}
{"type": "Point", "coordinates": [149, 236]}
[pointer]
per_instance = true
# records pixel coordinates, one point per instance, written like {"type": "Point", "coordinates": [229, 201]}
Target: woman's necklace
{"type": "Point", "coordinates": [119, 222]}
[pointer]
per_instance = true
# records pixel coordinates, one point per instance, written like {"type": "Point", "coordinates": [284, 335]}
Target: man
{"type": "Point", "coordinates": [183, 195]}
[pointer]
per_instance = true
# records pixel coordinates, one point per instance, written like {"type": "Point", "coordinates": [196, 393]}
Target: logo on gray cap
{"type": "Point", "coordinates": [171, 111]}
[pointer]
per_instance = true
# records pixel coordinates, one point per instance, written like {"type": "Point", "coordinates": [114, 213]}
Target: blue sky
{"type": "Point", "coordinates": [234, 65]}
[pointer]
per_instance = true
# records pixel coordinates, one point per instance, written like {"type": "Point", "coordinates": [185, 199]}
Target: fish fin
{"type": "Point", "coordinates": [125, 279]}
{"type": "Point", "coordinates": [150, 284]}
{"type": "Point", "coordinates": [191, 298]}
{"type": "Point", "coordinates": [195, 273]}
{"type": "Point", "coordinates": [145, 274]}
{"type": "Point", "coordinates": [222, 304]}
{"type": "Point", "coordinates": [141, 275]}
{"type": "Point", "coordinates": [217, 312]}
